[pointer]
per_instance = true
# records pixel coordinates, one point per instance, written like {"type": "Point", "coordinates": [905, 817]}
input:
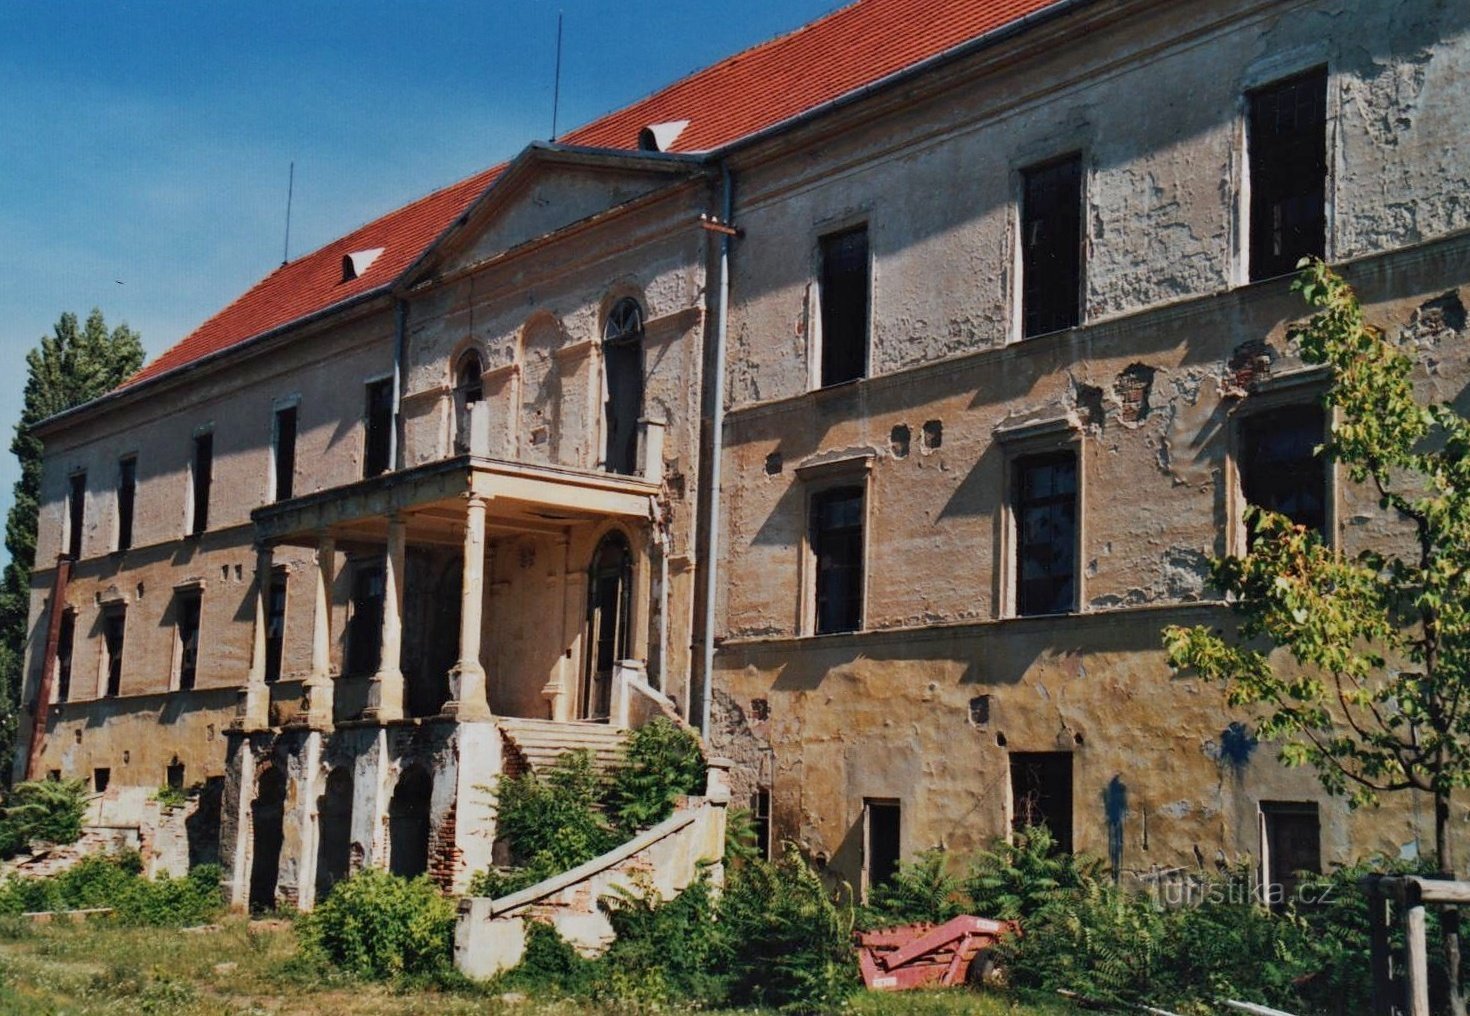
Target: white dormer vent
{"type": "Point", "coordinates": [354, 264]}
{"type": "Point", "coordinates": [660, 137]}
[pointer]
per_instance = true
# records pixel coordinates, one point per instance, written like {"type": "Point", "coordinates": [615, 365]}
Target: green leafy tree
{"type": "Point", "coordinates": [74, 364]}
{"type": "Point", "coordinates": [1377, 696]}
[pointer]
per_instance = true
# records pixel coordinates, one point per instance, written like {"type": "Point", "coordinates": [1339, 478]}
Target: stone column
{"type": "Point", "coordinates": [467, 679]}
{"type": "Point", "coordinates": [255, 710]}
{"type": "Point", "coordinates": [319, 687]}
{"type": "Point", "coordinates": [385, 696]}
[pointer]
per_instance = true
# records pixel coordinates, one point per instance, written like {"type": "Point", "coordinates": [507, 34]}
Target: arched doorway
{"type": "Point", "coordinates": [267, 817]}
{"type": "Point", "coordinates": [609, 599]}
{"type": "Point", "coordinates": [408, 823]}
{"type": "Point", "coordinates": [469, 390]}
{"type": "Point", "coordinates": [334, 828]}
{"type": "Point", "coordinates": [622, 356]}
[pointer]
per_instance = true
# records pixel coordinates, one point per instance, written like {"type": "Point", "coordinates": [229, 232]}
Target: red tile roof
{"type": "Point", "coordinates": [753, 90]}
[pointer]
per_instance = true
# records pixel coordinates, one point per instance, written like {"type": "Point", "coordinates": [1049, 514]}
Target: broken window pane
{"type": "Point", "coordinates": [1278, 470]}
{"type": "Point", "coordinates": [837, 543]}
{"type": "Point", "coordinates": [127, 490]}
{"type": "Point", "coordinates": [1046, 533]}
{"type": "Point", "coordinates": [1287, 150]}
{"type": "Point", "coordinates": [844, 296]}
{"type": "Point", "coordinates": [622, 357]}
{"type": "Point", "coordinates": [1051, 247]}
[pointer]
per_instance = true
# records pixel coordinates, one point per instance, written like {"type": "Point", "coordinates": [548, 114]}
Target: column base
{"type": "Point", "coordinates": [317, 707]}
{"type": "Point", "coordinates": [385, 697]}
{"type": "Point", "coordinates": [467, 684]}
{"type": "Point", "coordinates": [254, 711]}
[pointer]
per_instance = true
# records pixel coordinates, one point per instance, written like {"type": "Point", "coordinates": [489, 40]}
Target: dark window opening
{"type": "Point", "coordinates": [127, 495]}
{"type": "Point", "coordinates": [1293, 844]}
{"type": "Point", "coordinates": [844, 299]}
{"type": "Point", "coordinates": [408, 823]}
{"type": "Point", "coordinates": [609, 609]}
{"type": "Point", "coordinates": [760, 821]}
{"type": "Point", "coordinates": [174, 775]}
{"type": "Point", "coordinates": [365, 626]}
{"type": "Point", "coordinates": [268, 825]}
{"type": "Point", "coordinates": [622, 355]}
{"type": "Point", "coordinates": [203, 477]}
{"type": "Point", "coordinates": [1287, 149]}
{"type": "Point", "coordinates": [114, 624]}
{"type": "Point", "coordinates": [1279, 470]}
{"type": "Point", "coordinates": [378, 444]}
{"type": "Point", "coordinates": [1041, 794]}
{"type": "Point", "coordinates": [53, 775]}
{"type": "Point", "coordinates": [275, 624]}
{"type": "Point", "coordinates": [469, 391]}
{"type": "Point", "coordinates": [1046, 534]}
{"type": "Point", "coordinates": [837, 545]}
{"type": "Point", "coordinates": [1051, 247]}
{"type": "Point", "coordinates": [334, 850]}
{"type": "Point", "coordinates": [76, 504]}
{"type": "Point", "coordinates": [285, 457]}
{"type": "Point", "coordinates": [881, 843]}
{"type": "Point", "coordinates": [65, 646]}
{"type": "Point", "coordinates": [101, 777]}
{"type": "Point", "coordinates": [186, 619]}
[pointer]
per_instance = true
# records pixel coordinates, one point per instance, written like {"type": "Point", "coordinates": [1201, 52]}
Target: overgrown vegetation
{"type": "Point", "coordinates": [378, 926]}
{"type": "Point", "coordinates": [571, 814]}
{"type": "Point", "coordinates": [43, 811]}
{"type": "Point", "coordinates": [117, 883]}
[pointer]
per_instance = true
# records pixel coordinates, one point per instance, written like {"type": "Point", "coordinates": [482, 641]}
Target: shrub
{"type": "Point", "coordinates": [663, 762]}
{"type": "Point", "coordinates": [376, 925]}
{"type": "Point", "coordinates": [788, 937]}
{"type": "Point", "coordinates": [167, 902]}
{"type": "Point", "coordinates": [666, 950]}
{"type": "Point", "coordinates": [1012, 881]}
{"type": "Point", "coordinates": [921, 890]}
{"type": "Point", "coordinates": [552, 822]}
{"type": "Point", "coordinates": [550, 966]}
{"type": "Point", "coordinates": [42, 811]}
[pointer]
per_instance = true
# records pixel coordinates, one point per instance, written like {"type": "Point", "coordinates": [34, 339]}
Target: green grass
{"type": "Point", "coordinates": [97, 967]}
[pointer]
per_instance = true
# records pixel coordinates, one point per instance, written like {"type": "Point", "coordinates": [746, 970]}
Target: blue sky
{"type": "Point", "coordinates": [144, 146]}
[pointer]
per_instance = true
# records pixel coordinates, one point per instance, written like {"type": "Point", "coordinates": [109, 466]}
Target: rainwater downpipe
{"type": "Point", "coordinates": [717, 448]}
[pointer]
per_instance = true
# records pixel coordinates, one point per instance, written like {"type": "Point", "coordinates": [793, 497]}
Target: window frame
{"type": "Point", "coordinates": [280, 410]}
{"type": "Point", "coordinates": [127, 502]}
{"type": "Point", "coordinates": [887, 804]}
{"type": "Point", "coordinates": [199, 499]}
{"type": "Point", "coordinates": [1031, 440]}
{"type": "Point", "coordinates": [1256, 84]}
{"type": "Point", "coordinates": [106, 687]}
{"type": "Point", "coordinates": [1298, 388]}
{"type": "Point", "coordinates": [818, 480]}
{"type": "Point", "coordinates": [275, 645]}
{"type": "Point", "coordinates": [818, 380]}
{"type": "Point", "coordinates": [383, 383]}
{"type": "Point", "coordinates": [359, 567]}
{"type": "Point", "coordinates": [66, 650]}
{"type": "Point", "coordinates": [76, 513]}
{"type": "Point", "coordinates": [188, 592]}
{"type": "Point", "coordinates": [1023, 175]}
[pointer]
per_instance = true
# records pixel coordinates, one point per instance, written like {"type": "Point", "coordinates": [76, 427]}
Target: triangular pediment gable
{"type": "Point", "coordinates": [546, 189]}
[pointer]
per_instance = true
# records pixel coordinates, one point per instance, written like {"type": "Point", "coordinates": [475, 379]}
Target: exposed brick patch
{"type": "Point", "coordinates": [1249, 364]}
{"type": "Point", "coordinates": [444, 855]}
{"type": "Point", "coordinates": [1132, 387]}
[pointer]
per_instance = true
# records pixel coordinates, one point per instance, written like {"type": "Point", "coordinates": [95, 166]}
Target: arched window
{"type": "Point", "coordinates": [622, 348]}
{"type": "Point", "coordinates": [469, 390]}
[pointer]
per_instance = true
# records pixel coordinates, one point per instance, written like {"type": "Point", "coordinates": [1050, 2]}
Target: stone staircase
{"type": "Point", "coordinates": [533, 745]}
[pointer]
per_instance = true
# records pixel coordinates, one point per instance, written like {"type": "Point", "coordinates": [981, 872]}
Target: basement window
{"type": "Point", "coordinates": [378, 424]}
{"type": "Point", "coordinates": [844, 303]}
{"type": "Point", "coordinates": [127, 496]}
{"type": "Point", "coordinates": [837, 549]}
{"type": "Point", "coordinates": [284, 453]}
{"type": "Point", "coordinates": [275, 625]}
{"type": "Point", "coordinates": [186, 626]}
{"type": "Point", "coordinates": [76, 514]}
{"type": "Point", "coordinates": [1045, 509]}
{"type": "Point", "coordinates": [1051, 246]}
{"type": "Point", "coordinates": [202, 477]}
{"type": "Point", "coordinates": [114, 627]}
{"type": "Point", "coordinates": [1286, 144]}
{"type": "Point", "coordinates": [1041, 794]}
{"type": "Point", "coordinates": [882, 822]}
{"type": "Point", "coordinates": [1279, 468]}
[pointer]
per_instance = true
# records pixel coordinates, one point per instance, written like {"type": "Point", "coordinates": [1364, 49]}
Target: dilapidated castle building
{"type": "Point", "coordinates": [872, 398]}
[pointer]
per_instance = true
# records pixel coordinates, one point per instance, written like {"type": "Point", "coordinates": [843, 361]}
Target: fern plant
{"type": "Point", "coordinates": [1015, 879]}
{"type": "Point", "coordinates": [42, 811]}
{"type": "Point", "coordinates": [663, 762]}
{"type": "Point", "coordinates": [921, 890]}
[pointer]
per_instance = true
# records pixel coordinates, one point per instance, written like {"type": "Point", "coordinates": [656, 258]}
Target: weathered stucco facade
{"type": "Point", "coordinates": [365, 644]}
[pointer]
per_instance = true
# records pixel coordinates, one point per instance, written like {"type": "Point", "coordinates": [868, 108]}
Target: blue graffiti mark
{"type": "Point", "coordinates": [1115, 804]}
{"type": "Point", "coordinates": [1237, 745]}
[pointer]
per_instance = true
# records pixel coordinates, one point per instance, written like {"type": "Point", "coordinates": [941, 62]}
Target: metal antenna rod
{"type": "Point", "coordinates": [556, 86]}
{"type": "Point", "coordinates": [290, 192]}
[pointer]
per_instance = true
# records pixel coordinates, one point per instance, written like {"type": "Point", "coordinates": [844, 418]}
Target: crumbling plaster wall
{"type": "Point", "coordinates": [237, 404]}
{"type": "Point", "coordinates": [1150, 386]}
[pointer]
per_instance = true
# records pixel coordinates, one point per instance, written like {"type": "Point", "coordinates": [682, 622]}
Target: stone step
{"type": "Point", "coordinates": [542, 742]}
